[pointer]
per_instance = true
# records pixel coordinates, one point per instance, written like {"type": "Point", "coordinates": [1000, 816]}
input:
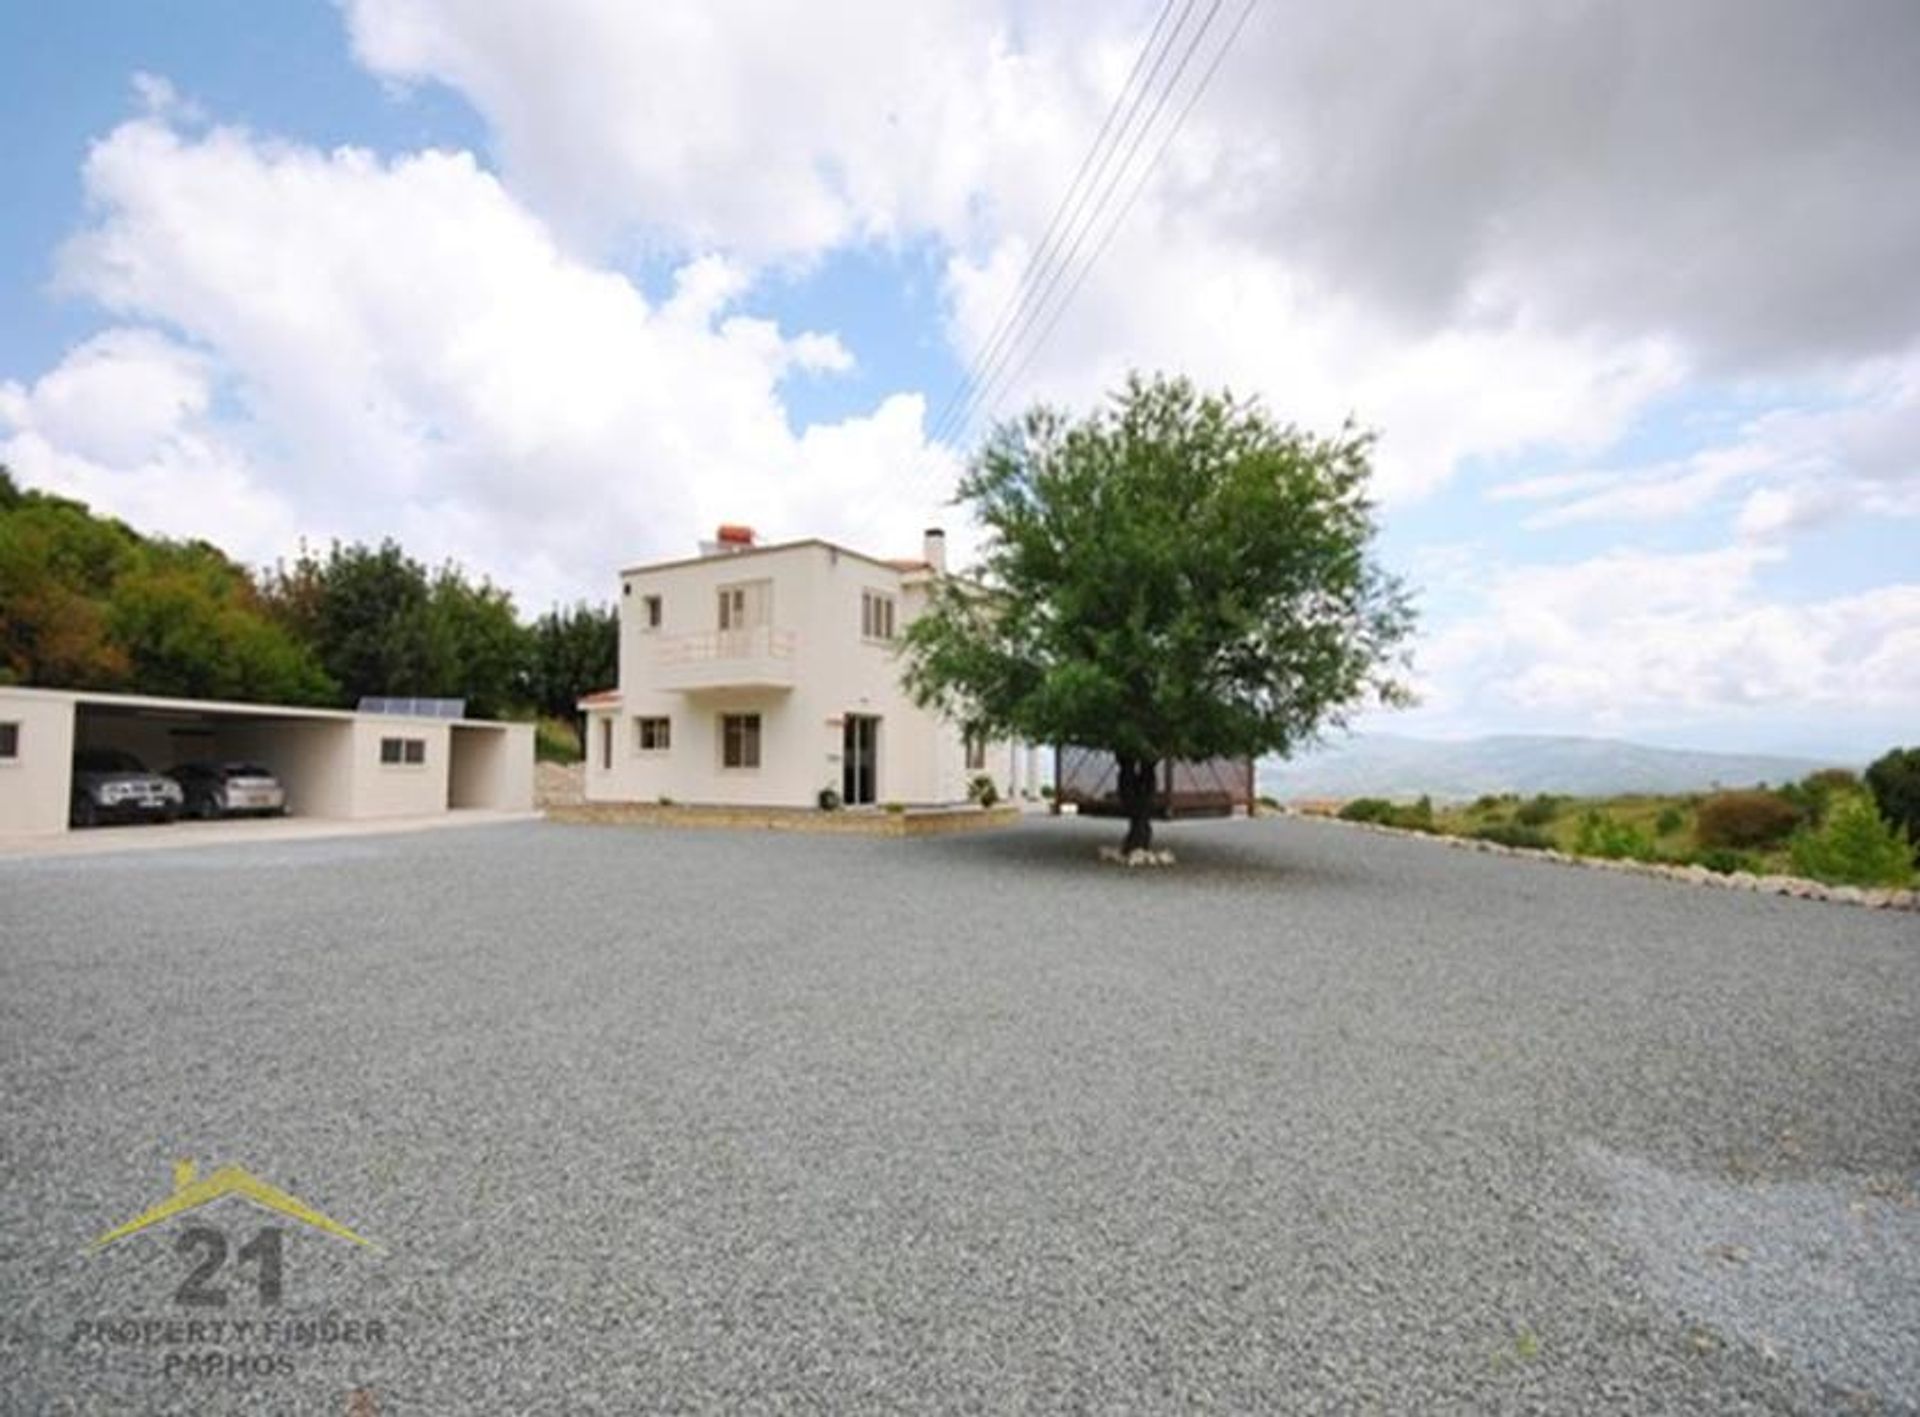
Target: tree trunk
{"type": "Point", "coordinates": [1136, 795]}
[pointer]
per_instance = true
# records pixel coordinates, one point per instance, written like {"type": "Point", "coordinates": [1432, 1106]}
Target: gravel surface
{"type": "Point", "coordinates": [648, 1119]}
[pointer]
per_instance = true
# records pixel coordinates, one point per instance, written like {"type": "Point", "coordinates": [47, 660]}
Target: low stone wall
{"type": "Point", "coordinates": [1873, 897]}
{"type": "Point", "coordinates": [915, 821]}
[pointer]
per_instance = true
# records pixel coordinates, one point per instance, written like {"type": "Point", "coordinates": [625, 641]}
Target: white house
{"type": "Point", "coordinates": [762, 675]}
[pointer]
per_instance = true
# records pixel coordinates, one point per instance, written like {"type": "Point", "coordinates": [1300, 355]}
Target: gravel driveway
{"type": "Point", "coordinates": [708, 1121]}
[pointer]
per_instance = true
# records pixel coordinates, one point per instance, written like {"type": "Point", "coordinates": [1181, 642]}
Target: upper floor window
{"type": "Point", "coordinates": [876, 615]}
{"type": "Point", "coordinates": [9, 741]}
{"type": "Point", "coordinates": [747, 605]}
{"type": "Point", "coordinates": [409, 751]}
{"type": "Point", "coordinates": [655, 735]}
{"type": "Point", "coordinates": [650, 611]}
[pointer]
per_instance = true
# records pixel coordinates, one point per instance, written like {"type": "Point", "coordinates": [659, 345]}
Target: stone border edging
{"type": "Point", "coordinates": [1872, 897]}
{"type": "Point", "coordinates": [912, 822]}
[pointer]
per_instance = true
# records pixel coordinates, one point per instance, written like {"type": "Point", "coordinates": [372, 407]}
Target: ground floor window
{"type": "Point", "coordinates": [9, 741]}
{"type": "Point", "coordinates": [976, 752]}
{"type": "Point", "coordinates": [606, 745]}
{"type": "Point", "coordinates": [740, 740]}
{"type": "Point", "coordinates": [410, 751]}
{"type": "Point", "coordinates": [655, 734]}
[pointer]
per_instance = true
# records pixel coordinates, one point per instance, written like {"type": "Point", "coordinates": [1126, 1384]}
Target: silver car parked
{"type": "Point", "coordinates": [229, 789]}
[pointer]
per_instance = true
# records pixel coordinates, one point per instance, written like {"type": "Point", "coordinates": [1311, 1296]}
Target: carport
{"type": "Point", "coordinates": [333, 763]}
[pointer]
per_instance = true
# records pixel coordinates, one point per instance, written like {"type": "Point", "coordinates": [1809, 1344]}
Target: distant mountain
{"type": "Point", "coordinates": [1385, 765]}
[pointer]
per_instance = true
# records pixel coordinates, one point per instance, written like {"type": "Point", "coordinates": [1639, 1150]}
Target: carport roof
{"type": "Point", "coordinates": [231, 707]}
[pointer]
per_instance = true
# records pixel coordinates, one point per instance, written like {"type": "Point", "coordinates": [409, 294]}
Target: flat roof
{"type": "Point", "coordinates": [160, 704]}
{"type": "Point", "coordinates": [766, 550]}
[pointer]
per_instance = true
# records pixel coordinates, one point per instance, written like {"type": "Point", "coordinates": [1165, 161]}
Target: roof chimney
{"type": "Point", "coordinates": [934, 549]}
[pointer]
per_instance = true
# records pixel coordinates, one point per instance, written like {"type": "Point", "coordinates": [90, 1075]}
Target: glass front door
{"type": "Point", "coordinates": [860, 760]}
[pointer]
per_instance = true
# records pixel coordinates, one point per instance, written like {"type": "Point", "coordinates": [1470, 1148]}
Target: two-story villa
{"type": "Point", "coordinates": [765, 674]}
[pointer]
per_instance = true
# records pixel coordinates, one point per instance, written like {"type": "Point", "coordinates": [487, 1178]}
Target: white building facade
{"type": "Point", "coordinates": [762, 675]}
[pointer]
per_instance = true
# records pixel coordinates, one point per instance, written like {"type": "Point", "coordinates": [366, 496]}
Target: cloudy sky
{"type": "Point", "coordinates": [1632, 293]}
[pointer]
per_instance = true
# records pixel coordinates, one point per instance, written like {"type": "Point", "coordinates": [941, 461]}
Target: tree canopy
{"type": "Point", "coordinates": [1175, 576]}
{"type": "Point", "coordinates": [87, 602]}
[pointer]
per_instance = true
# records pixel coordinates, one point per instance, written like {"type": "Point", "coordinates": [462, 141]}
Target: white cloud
{"type": "Point", "coordinates": [1630, 639]}
{"type": "Point", "coordinates": [122, 423]}
{"type": "Point", "coordinates": [409, 352]}
{"type": "Point", "coordinates": [1856, 450]}
{"type": "Point", "coordinates": [769, 129]}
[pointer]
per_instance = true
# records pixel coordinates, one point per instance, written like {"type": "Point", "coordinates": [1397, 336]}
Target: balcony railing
{"type": "Point", "coordinates": [758, 657]}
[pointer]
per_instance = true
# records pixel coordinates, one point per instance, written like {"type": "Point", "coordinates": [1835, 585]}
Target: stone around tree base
{"type": "Point", "coordinates": [1135, 858]}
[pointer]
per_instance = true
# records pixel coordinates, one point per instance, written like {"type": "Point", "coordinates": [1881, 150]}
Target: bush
{"type": "Point", "coordinates": [1741, 819]}
{"type": "Point", "coordinates": [1367, 809]}
{"type": "Point", "coordinates": [1857, 847]}
{"type": "Point", "coordinates": [1894, 781]}
{"type": "Point", "coordinates": [895, 808]}
{"type": "Point", "coordinates": [1724, 861]}
{"type": "Point", "coordinates": [829, 799]}
{"type": "Point", "coordinates": [1602, 836]}
{"type": "Point", "coordinates": [1509, 834]}
{"type": "Point", "coordinates": [1670, 820]}
{"type": "Point", "coordinates": [982, 791]}
{"type": "Point", "coordinates": [1538, 811]}
{"type": "Point", "coordinates": [555, 741]}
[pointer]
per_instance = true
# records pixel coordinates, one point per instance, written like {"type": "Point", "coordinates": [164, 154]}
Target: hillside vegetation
{"type": "Point", "coordinates": [88, 602]}
{"type": "Point", "coordinates": [1829, 826]}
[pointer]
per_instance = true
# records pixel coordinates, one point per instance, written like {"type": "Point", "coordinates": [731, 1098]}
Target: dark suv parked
{"type": "Point", "coordinates": [114, 786]}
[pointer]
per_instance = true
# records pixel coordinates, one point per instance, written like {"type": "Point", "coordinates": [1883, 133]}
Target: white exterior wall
{"type": "Point", "coordinates": [35, 787]}
{"type": "Point", "coordinates": [832, 672]}
{"type": "Point", "coordinates": [398, 789]}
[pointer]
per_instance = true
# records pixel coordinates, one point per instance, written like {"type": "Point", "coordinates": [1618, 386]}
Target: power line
{"type": "Point", "coordinates": [1106, 195]}
{"type": "Point", "coordinates": [1068, 210]}
{"type": "Point", "coordinates": [1120, 217]}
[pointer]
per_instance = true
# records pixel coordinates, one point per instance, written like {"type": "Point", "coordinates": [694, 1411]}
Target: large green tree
{"type": "Point", "coordinates": [573, 652]}
{"type": "Point", "coordinates": [382, 624]}
{"type": "Point", "coordinates": [1176, 576]}
{"type": "Point", "coordinates": [86, 602]}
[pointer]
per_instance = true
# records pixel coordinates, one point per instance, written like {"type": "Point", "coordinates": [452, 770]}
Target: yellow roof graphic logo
{"type": "Point", "coordinates": [190, 1192]}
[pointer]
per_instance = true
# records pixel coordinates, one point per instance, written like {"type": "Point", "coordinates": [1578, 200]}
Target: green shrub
{"type": "Point", "coordinates": [894, 807]}
{"type": "Point", "coordinates": [1488, 802]}
{"type": "Point", "coordinates": [1602, 836]}
{"type": "Point", "coordinates": [1724, 861]}
{"type": "Point", "coordinates": [1537, 811]}
{"type": "Point", "coordinates": [556, 741]}
{"type": "Point", "coordinates": [1742, 819]}
{"type": "Point", "coordinates": [1894, 781]}
{"type": "Point", "coordinates": [1367, 809]}
{"type": "Point", "coordinates": [1670, 820]}
{"type": "Point", "coordinates": [1512, 834]}
{"type": "Point", "coordinates": [1856, 847]}
{"type": "Point", "coordinates": [982, 791]}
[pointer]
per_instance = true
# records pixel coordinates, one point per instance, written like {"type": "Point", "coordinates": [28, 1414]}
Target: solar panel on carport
{"type": "Point", "coordinates": [416, 708]}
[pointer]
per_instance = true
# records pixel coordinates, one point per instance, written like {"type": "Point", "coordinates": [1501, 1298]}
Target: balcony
{"type": "Point", "coordinates": [757, 658]}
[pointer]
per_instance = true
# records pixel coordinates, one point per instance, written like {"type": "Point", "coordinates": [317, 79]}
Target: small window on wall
{"type": "Point", "coordinates": [740, 740]}
{"type": "Point", "coordinates": [9, 742]}
{"type": "Point", "coordinates": [650, 611]}
{"type": "Point", "coordinates": [976, 753]}
{"type": "Point", "coordinates": [408, 751]}
{"type": "Point", "coordinates": [655, 734]}
{"type": "Point", "coordinates": [876, 615]}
